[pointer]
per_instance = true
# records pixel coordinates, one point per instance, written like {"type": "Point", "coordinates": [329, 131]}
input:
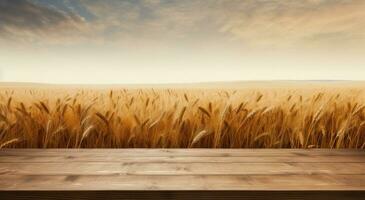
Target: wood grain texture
{"type": "Point", "coordinates": [182, 173]}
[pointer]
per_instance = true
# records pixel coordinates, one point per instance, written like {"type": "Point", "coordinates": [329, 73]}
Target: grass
{"type": "Point", "coordinates": [182, 118]}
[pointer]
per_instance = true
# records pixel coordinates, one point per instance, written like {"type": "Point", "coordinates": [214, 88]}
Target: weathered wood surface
{"type": "Point", "coordinates": [180, 172]}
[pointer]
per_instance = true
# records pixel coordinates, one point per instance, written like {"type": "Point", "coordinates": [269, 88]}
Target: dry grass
{"type": "Point", "coordinates": [178, 118]}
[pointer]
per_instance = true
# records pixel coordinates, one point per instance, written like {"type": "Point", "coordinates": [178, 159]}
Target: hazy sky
{"type": "Point", "coordinates": [159, 41]}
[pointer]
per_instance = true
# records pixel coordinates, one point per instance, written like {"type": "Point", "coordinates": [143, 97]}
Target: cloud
{"type": "Point", "coordinates": [249, 23]}
{"type": "Point", "coordinates": [257, 23]}
{"type": "Point", "coordinates": [155, 21]}
{"type": "Point", "coordinates": [25, 21]}
{"type": "Point", "coordinates": [311, 22]}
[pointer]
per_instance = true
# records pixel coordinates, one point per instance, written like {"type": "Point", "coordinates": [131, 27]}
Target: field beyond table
{"type": "Point", "coordinates": [180, 171]}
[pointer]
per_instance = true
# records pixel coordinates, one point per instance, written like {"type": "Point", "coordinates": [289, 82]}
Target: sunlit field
{"type": "Point", "coordinates": [246, 117]}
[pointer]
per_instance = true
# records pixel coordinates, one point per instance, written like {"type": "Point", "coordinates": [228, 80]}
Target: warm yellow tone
{"type": "Point", "coordinates": [256, 115]}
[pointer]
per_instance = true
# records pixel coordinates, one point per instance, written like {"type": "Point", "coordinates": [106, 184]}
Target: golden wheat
{"type": "Point", "coordinates": [182, 118]}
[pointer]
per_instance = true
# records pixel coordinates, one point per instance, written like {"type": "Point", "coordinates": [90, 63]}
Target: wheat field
{"type": "Point", "coordinates": [293, 117]}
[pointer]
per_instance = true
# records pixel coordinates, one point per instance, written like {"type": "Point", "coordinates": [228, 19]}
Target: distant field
{"type": "Point", "coordinates": [283, 114]}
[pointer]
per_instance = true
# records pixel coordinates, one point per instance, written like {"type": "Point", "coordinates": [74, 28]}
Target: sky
{"type": "Point", "coordinates": [175, 41]}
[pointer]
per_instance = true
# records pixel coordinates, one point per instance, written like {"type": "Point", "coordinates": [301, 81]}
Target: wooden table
{"type": "Point", "coordinates": [182, 174]}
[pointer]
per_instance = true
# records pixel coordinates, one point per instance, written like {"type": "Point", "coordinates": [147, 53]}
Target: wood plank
{"type": "Point", "coordinates": [179, 173]}
{"type": "Point", "coordinates": [183, 183]}
{"type": "Point", "coordinates": [99, 168]}
{"type": "Point", "coordinates": [40, 155]}
{"type": "Point", "coordinates": [186, 152]}
{"type": "Point", "coordinates": [79, 158]}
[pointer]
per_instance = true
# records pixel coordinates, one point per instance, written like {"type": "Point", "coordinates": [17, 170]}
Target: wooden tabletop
{"type": "Point", "coordinates": [182, 169]}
